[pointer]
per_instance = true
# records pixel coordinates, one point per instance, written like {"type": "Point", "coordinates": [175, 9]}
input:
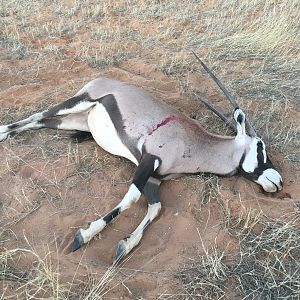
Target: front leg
{"type": "Point", "coordinates": [83, 236]}
{"type": "Point", "coordinates": [151, 192]}
{"type": "Point", "coordinates": [145, 169]}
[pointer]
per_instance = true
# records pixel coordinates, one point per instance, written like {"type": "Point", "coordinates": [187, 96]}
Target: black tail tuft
{"type": "Point", "coordinates": [81, 136]}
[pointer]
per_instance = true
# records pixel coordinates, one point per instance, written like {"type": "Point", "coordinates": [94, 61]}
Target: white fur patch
{"type": "Point", "coordinates": [31, 125]}
{"type": "Point", "coordinates": [141, 142]}
{"type": "Point", "coordinates": [250, 162]}
{"type": "Point", "coordinates": [131, 196]}
{"type": "Point", "coordinates": [78, 108]}
{"type": "Point", "coordinates": [76, 121]}
{"type": "Point", "coordinates": [270, 180]}
{"type": "Point", "coordinates": [156, 164]}
{"type": "Point", "coordinates": [3, 128]}
{"type": "Point", "coordinates": [3, 136]}
{"type": "Point", "coordinates": [105, 134]}
{"type": "Point", "coordinates": [264, 150]}
{"type": "Point", "coordinates": [94, 228]}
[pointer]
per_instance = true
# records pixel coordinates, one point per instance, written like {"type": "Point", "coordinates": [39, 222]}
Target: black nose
{"type": "Point", "coordinates": [280, 184]}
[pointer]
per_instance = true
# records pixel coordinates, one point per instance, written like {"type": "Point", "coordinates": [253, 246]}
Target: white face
{"type": "Point", "coordinates": [270, 180]}
{"type": "Point", "coordinates": [257, 167]}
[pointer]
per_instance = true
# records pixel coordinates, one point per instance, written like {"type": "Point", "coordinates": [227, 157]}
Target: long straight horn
{"type": "Point", "coordinates": [217, 112]}
{"type": "Point", "coordinates": [232, 100]}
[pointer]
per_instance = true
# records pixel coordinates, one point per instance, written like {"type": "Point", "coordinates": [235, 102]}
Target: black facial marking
{"type": "Point", "coordinates": [111, 215]}
{"type": "Point", "coordinates": [111, 106]}
{"type": "Point", "coordinates": [144, 170]}
{"type": "Point", "coordinates": [261, 167]}
{"type": "Point", "coordinates": [273, 184]}
{"type": "Point", "coordinates": [260, 155]}
{"type": "Point", "coordinates": [240, 118]}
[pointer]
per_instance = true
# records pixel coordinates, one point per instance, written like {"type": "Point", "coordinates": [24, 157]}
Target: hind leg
{"type": "Point", "coordinates": [74, 109]}
{"type": "Point", "coordinates": [70, 122]}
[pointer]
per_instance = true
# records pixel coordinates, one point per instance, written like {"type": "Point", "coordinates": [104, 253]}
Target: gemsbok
{"type": "Point", "coordinates": [163, 143]}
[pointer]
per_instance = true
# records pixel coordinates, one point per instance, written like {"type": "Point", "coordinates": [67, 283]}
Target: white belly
{"type": "Point", "coordinates": [105, 134]}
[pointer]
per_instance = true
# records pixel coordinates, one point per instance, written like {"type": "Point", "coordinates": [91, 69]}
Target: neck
{"type": "Point", "coordinates": [218, 154]}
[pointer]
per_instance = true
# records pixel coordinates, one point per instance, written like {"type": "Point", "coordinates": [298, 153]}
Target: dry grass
{"type": "Point", "coordinates": [43, 280]}
{"type": "Point", "coordinates": [266, 267]}
{"type": "Point", "coordinates": [254, 48]}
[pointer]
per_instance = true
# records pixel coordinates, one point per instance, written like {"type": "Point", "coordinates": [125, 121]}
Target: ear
{"type": "Point", "coordinates": [240, 118]}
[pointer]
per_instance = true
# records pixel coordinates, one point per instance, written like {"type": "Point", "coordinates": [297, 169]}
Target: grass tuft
{"type": "Point", "coordinates": [266, 266]}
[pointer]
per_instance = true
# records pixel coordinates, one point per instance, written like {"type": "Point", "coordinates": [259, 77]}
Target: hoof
{"type": "Point", "coordinates": [120, 252]}
{"type": "Point", "coordinates": [78, 241]}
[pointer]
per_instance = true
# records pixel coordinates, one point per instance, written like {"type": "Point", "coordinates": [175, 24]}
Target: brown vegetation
{"type": "Point", "coordinates": [216, 238]}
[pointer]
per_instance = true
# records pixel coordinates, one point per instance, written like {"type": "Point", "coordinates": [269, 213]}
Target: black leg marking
{"type": "Point", "coordinates": [50, 123]}
{"type": "Point", "coordinates": [13, 126]}
{"type": "Point", "coordinates": [46, 118]}
{"type": "Point", "coordinates": [151, 190]}
{"type": "Point", "coordinates": [111, 215]}
{"type": "Point", "coordinates": [68, 104]}
{"type": "Point", "coordinates": [12, 133]}
{"type": "Point", "coordinates": [144, 170]}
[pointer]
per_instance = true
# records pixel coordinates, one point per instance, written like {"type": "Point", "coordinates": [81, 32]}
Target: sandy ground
{"type": "Point", "coordinates": [50, 187]}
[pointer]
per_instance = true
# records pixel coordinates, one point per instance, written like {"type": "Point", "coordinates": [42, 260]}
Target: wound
{"type": "Point", "coordinates": [162, 123]}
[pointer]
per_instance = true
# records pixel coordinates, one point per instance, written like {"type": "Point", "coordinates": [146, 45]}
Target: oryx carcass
{"type": "Point", "coordinates": [163, 143]}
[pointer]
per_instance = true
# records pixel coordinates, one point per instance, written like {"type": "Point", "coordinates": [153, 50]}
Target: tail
{"type": "Point", "coordinates": [81, 136]}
